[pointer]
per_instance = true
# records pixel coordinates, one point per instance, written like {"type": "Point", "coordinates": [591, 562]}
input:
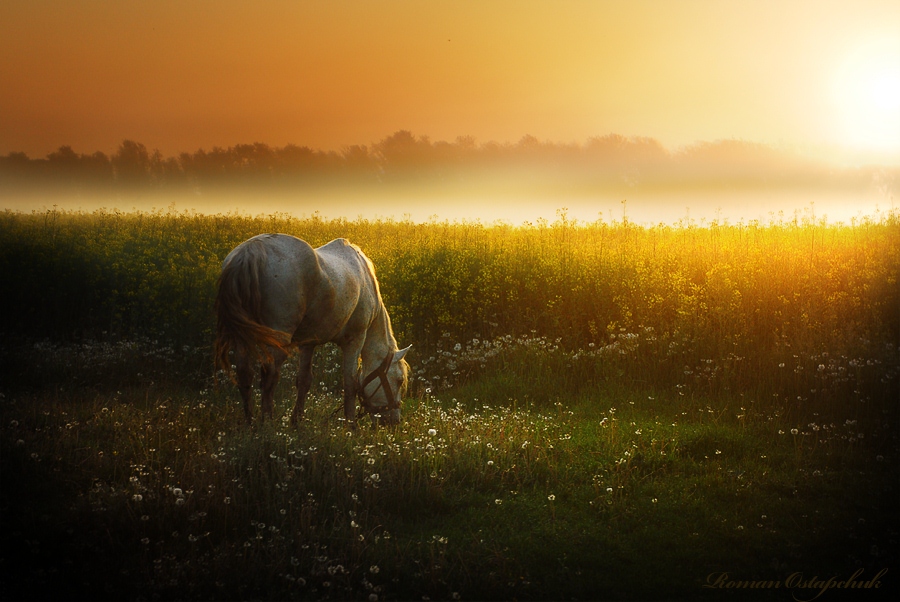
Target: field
{"type": "Point", "coordinates": [596, 411]}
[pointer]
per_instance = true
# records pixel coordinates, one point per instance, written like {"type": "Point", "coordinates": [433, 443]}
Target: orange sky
{"type": "Point", "coordinates": [179, 75]}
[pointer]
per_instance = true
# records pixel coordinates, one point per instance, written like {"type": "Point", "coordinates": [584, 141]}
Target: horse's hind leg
{"type": "Point", "coordinates": [244, 375]}
{"type": "Point", "coordinates": [304, 382]}
{"type": "Point", "coordinates": [269, 373]}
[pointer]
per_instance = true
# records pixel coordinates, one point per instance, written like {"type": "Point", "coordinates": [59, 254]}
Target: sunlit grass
{"type": "Point", "coordinates": [597, 411]}
{"type": "Point", "coordinates": [473, 496]}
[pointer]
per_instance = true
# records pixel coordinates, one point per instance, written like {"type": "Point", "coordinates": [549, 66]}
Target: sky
{"type": "Point", "coordinates": [819, 76]}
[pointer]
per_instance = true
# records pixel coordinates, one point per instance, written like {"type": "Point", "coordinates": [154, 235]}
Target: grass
{"type": "Point", "coordinates": [711, 411]}
{"type": "Point", "coordinates": [158, 490]}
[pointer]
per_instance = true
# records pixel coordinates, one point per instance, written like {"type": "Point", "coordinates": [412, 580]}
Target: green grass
{"type": "Point", "coordinates": [598, 411]}
{"type": "Point", "coordinates": [157, 489]}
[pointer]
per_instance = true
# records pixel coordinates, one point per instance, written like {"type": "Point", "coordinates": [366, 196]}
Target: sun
{"type": "Point", "coordinates": [867, 97]}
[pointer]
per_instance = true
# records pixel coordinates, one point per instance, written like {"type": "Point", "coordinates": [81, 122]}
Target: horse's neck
{"type": "Point", "coordinates": [379, 341]}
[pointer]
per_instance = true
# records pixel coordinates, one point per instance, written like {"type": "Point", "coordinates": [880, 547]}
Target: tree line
{"type": "Point", "coordinates": [402, 156]}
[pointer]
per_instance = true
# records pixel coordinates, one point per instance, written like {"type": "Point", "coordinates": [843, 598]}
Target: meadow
{"type": "Point", "coordinates": [597, 411]}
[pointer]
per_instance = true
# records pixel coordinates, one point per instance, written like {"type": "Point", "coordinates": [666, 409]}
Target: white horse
{"type": "Point", "coordinates": [276, 292]}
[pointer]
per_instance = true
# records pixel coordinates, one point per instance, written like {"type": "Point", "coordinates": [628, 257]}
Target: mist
{"type": "Point", "coordinates": [404, 177]}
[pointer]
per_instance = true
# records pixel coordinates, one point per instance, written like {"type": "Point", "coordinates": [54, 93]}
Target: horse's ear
{"type": "Point", "coordinates": [400, 354]}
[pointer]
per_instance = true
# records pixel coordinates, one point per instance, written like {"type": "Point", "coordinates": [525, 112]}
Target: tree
{"type": "Point", "coordinates": [131, 163]}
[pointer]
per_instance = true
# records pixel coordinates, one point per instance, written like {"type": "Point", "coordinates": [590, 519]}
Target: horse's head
{"type": "Point", "coordinates": [381, 392]}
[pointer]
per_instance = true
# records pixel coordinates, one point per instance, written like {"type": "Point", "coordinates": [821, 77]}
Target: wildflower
{"type": "Point", "coordinates": [374, 569]}
{"type": "Point", "coordinates": [551, 497]}
{"type": "Point", "coordinates": [137, 497]}
{"type": "Point", "coordinates": [609, 490]}
{"type": "Point", "coordinates": [794, 431]}
{"type": "Point", "coordinates": [498, 501]}
{"type": "Point", "coordinates": [432, 432]}
{"type": "Point", "coordinates": [145, 541]}
{"type": "Point", "coordinates": [227, 500]}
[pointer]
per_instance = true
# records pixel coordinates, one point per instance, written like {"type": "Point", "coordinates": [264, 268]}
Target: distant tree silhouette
{"type": "Point", "coordinates": [603, 162]}
{"type": "Point", "coordinates": [131, 164]}
{"type": "Point", "coordinates": [402, 153]}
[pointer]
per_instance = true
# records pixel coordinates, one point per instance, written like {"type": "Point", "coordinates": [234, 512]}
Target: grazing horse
{"type": "Point", "coordinates": [276, 293]}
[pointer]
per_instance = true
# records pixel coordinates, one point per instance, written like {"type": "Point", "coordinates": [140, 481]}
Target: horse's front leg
{"type": "Point", "coordinates": [304, 382]}
{"type": "Point", "coordinates": [269, 374]}
{"type": "Point", "coordinates": [350, 367]}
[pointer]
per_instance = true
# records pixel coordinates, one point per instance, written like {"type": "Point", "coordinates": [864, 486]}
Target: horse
{"type": "Point", "coordinates": [276, 293]}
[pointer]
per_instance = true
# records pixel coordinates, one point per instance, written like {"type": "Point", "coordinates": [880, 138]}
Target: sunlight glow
{"type": "Point", "coordinates": [867, 95]}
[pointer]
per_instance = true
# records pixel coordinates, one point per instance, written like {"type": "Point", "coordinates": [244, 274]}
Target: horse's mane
{"type": "Point", "coordinates": [389, 331]}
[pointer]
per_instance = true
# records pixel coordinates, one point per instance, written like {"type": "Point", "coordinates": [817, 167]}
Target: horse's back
{"type": "Point", "coordinates": [315, 295]}
{"type": "Point", "coordinates": [351, 277]}
{"type": "Point", "coordinates": [289, 275]}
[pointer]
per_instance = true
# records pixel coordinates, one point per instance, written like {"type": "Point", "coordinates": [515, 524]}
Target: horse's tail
{"type": "Point", "coordinates": [239, 325]}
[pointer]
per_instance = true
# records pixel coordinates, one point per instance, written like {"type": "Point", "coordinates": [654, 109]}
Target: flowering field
{"type": "Point", "coordinates": [597, 411]}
